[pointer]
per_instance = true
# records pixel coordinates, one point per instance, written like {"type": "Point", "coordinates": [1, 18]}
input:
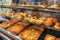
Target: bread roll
{"type": "Point", "coordinates": [39, 21]}
{"type": "Point", "coordinates": [50, 21]}
{"type": "Point", "coordinates": [49, 37]}
{"type": "Point", "coordinates": [54, 20]}
{"type": "Point", "coordinates": [57, 25]}
{"type": "Point", "coordinates": [57, 38]}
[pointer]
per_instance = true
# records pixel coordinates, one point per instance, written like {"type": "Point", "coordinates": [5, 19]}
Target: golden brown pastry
{"type": "Point", "coordinates": [30, 34]}
{"type": "Point", "coordinates": [54, 20]}
{"type": "Point", "coordinates": [8, 23]}
{"type": "Point", "coordinates": [55, 6]}
{"type": "Point", "coordinates": [50, 21]}
{"type": "Point", "coordinates": [57, 38]}
{"type": "Point", "coordinates": [23, 14]}
{"type": "Point", "coordinates": [41, 20]}
{"type": "Point", "coordinates": [15, 29]}
{"type": "Point", "coordinates": [49, 37]}
{"type": "Point", "coordinates": [57, 25]}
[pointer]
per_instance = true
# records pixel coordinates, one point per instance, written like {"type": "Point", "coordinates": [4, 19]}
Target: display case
{"type": "Point", "coordinates": [31, 21]}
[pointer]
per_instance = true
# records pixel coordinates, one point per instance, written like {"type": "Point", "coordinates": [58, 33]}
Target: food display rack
{"type": "Point", "coordinates": [48, 30]}
{"type": "Point", "coordinates": [32, 8]}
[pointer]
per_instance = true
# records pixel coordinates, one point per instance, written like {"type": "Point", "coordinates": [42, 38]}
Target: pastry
{"type": "Point", "coordinates": [30, 34]}
{"type": "Point", "coordinates": [50, 21]}
{"type": "Point", "coordinates": [8, 23]}
{"type": "Point", "coordinates": [42, 6]}
{"type": "Point", "coordinates": [57, 25]}
{"type": "Point", "coordinates": [15, 29]}
{"type": "Point", "coordinates": [38, 21]}
{"type": "Point", "coordinates": [57, 38]}
{"type": "Point", "coordinates": [49, 37]}
{"type": "Point", "coordinates": [41, 20]}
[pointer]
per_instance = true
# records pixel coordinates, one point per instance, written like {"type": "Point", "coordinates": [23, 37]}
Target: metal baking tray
{"type": "Point", "coordinates": [3, 37]}
{"type": "Point", "coordinates": [10, 34]}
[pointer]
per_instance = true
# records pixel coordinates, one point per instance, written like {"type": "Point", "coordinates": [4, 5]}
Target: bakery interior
{"type": "Point", "coordinates": [29, 19]}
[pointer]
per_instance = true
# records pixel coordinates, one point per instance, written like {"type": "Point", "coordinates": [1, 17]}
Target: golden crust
{"type": "Point", "coordinates": [50, 21]}
{"type": "Point", "coordinates": [30, 34]}
{"type": "Point", "coordinates": [57, 25]}
{"type": "Point", "coordinates": [8, 23]}
{"type": "Point", "coordinates": [16, 28]}
{"type": "Point", "coordinates": [49, 37]}
{"type": "Point", "coordinates": [57, 38]}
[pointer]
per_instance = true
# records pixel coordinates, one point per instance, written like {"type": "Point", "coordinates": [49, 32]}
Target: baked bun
{"type": "Point", "coordinates": [57, 38]}
{"type": "Point", "coordinates": [49, 37]}
{"type": "Point", "coordinates": [57, 25]}
{"type": "Point", "coordinates": [41, 20]}
{"type": "Point", "coordinates": [50, 21]}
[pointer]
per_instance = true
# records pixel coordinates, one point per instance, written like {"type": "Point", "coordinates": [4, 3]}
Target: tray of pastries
{"type": "Point", "coordinates": [13, 30]}
{"type": "Point", "coordinates": [31, 33]}
{"type": "Point", "coordinates": [23, 31]}
{"type": "Point", "coordinates": [9, 34]}
{"type": "Point", "coordinates": [17, 28]}
{"type": "Point", "coordinates": [47, 21]}
{"type": "Point", "coordinates": [8, 23]}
